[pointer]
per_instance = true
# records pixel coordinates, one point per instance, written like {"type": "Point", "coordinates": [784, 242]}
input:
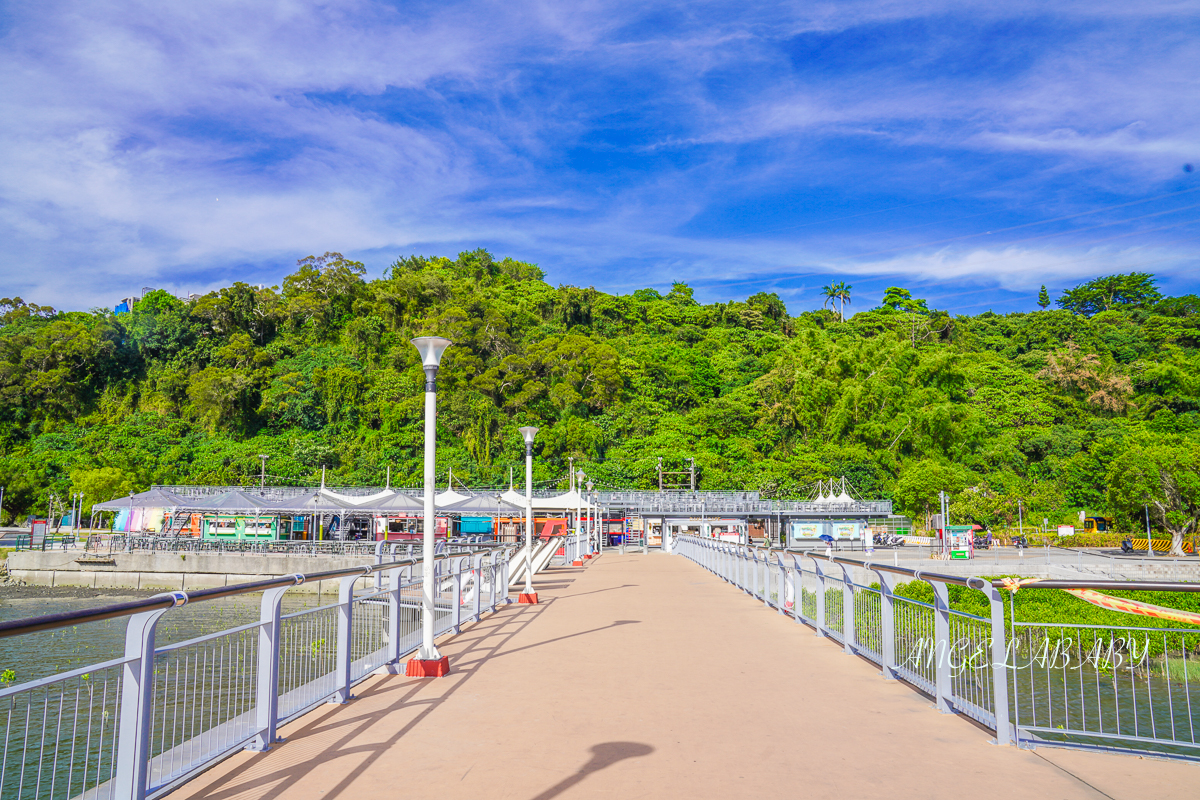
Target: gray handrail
{"type": "Point", "coordinates": [49, 622]}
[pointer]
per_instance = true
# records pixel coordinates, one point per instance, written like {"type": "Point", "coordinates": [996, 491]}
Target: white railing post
{"type": "Point", "coordinates": [785, 586]}
{"type": "Point", "coordinates": [345, 636]}
{"type": "Point", "coordinates": [396, 580]}
{"type": "Point", "coordinates": [477, 583]}
{"type": "Point", "coordinates": [887, 612]}
{"type": "Point", "coordinates": [1004, 734]}
{"type": "Point", "coordinates": [456, 573]}
{"type": "Point", "coordinates": [505, 567]}
{"type": "Point", "coordinates": [132, 770]}
{"type": "Point", "coordinates": [764, 568]}
{"type": "Point", "coordinates": [820, 615]}
{"type": "Point", "coordinates": [493, 572]}
{"type": "Point", "coordinates": [848, 633]}
{"type": "Point", "coordinates": [266, 705]}
{"type": "Point", "coordinates": [941, 646]}
{"type": "Point", "coordinates": [794, 581]}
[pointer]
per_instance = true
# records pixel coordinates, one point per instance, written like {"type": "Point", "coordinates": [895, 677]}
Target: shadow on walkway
{"type": "Point", "coordinates": [604, 755]}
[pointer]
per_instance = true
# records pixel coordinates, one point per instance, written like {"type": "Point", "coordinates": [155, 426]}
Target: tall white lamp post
{"type": "Point", "coordinates": [528, 596]}
{"type": "Point", "coordinates": [429, 663]}
{"type": "Point", "coordinates": [591, 516]}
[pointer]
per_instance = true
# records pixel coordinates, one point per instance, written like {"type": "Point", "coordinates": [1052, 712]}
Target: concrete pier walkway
{"type": "Point", "coordinates": [645, 676]}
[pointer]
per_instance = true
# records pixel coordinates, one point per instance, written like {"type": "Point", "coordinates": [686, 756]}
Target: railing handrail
{"type": "Point", "coordinates": [49, 622]}
{"type": "Point", "coordinates": [967, 663]}
{"type": "Point", "coordinates": [976, 582]}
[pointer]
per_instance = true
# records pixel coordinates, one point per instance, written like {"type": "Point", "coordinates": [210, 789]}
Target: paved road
{"type": "Point", "coordinates": [644, 676]}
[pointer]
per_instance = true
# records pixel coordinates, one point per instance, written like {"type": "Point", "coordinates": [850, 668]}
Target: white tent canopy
{"type": "Point", "coordinates": [514, 497]}
{"type": "Point", "coordinates": [563, 502]}
{"type": "Point", "coordinates": [357, 500]}
{"type": "Point", "coordinates": [448, 498]}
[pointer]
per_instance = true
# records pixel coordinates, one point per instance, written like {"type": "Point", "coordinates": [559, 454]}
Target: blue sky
{"type": "Point", "coordinates": [970, 154]}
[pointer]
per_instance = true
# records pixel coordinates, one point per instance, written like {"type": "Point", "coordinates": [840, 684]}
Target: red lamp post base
{"type": "Point", "coordinates": [427, 668]}
{"type": "Point", "coordinates": [577, 563]}
{"type": "Point", "coordinates": [528, 598]}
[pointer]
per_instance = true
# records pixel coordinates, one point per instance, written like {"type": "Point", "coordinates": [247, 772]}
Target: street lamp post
{"type": "Point", "coordinates": [579, 476]}
{"type": "Point", "coordinates": [429, 663]}
{"type": "Point", "coordinates": [528, 596]}
{"type": "Point", "coordinates": [591, 526]}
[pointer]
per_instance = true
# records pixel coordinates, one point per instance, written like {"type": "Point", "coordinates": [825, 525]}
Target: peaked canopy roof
{"type": "Point", "coordinates": [153, 498]}
{"type": "Point", "coordinates": [448, 497]}
{"type": "Point", "coordinates": [353, 500]}
{"type": "Point", "coordinates": [563, 502]}
{"type": "Point", "coordinates": [234, 500]}
{"type": "Point", "coordinates": [313, 502]}
{"type": "Point", "coordinates": [484, 505]}
{"type": "Point", "coordinates": [392, 502]}
{"type": "Point", "coordinates": [514, 497]}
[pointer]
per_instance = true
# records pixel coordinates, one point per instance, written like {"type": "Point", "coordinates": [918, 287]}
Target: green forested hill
{"type": "Point", "coordinates": [1093, 405]}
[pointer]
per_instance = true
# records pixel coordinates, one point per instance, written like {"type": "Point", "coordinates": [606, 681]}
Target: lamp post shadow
{"type": "Point", "coordinates": [604, 755]}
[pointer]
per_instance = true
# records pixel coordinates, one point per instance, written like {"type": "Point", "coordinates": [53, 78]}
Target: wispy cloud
{"type": "Point", "coordinates": [183, 144]}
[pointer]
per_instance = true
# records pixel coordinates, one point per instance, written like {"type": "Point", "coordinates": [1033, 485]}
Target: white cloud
{"type": "Point", "coordinates": [365, 127]}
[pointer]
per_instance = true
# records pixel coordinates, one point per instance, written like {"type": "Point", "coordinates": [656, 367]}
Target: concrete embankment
{"type": "Point", "coordinates": [170, 571]}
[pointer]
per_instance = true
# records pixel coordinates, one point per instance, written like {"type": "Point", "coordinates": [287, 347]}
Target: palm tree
{"type": "Point", "coordinates": [843, 295]}
{"type": "Point", "coordinates": [831, 294]}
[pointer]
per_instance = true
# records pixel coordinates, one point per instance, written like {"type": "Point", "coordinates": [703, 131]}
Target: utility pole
{"type": "Point", "coordinates": [262, 475]}
{"type": "Point", "coordinates": [1149, 541]}
{"type": "Point", "coordinates": [660, 473]}
{"type": "Point", "coordinates": [691, 474]}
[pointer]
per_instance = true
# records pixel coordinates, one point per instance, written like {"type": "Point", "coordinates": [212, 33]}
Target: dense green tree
{"type": "Point", "coordinates": [902, 399]}
{"type": "Point", "coordinates": [1163, 476]}
{"type": "Point", "coordinates": [1043, 300]}
{"type": "Point", "coordinates": [1136, 290]}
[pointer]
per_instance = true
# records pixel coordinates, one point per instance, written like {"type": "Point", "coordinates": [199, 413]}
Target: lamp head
{"type": "Point", "coordinates": [431, 349]}
{"type": "Point", "coordinates": [528, 432]}
{"type": "Point", "coordinates": [590, 485]}
{"type": "Point", "coordinates": [579, 474]}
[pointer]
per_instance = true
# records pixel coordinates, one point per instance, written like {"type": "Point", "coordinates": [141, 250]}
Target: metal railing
{"type": "Point", "coordinates": [138, 725]}
{"type": "Point", "coordinates": [1126, 688]}
{"type": "Point", "coordinates": [129, 543]}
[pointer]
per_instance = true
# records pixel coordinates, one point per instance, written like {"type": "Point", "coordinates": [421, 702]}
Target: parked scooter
{"type": "Point", "coordinates": [1126, 545]}
{"type": "Point", "coordinates": [1020, 542]}
{"type": "Point", "coordinates": [983, 542]}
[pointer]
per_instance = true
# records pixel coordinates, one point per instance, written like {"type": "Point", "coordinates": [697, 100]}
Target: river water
{"type": "Point", "coordinates": [37, 655]}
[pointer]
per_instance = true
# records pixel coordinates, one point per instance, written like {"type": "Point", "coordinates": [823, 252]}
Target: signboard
{"type": "Point", "coordinates": [1066, 530]}
{"type": "Point", "coordinates": [844, 530]}
{"type": "Point", "coordinates": [807, 530]}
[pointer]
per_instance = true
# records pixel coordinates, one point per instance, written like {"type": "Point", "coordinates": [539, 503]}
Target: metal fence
{"type": "Point", "coordinates": [130, 543]}
{"type": "Point", "coordinates": [1128, 688]}
{"type": "Point", "coordinates": [139, 725]}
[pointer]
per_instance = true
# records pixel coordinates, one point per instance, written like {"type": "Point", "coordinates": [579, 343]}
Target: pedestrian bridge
{"type": "Point", "coordinates": [636, 675]}
{"type": "Point", "coordinates": [647, 676]}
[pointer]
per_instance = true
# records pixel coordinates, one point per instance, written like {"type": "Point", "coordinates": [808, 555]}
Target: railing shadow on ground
{"type": "Point", "coordinates": [606, 589]}
{"type": "Point", "coordinates": [276, 783]}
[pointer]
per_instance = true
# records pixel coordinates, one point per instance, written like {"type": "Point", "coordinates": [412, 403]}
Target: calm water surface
{"type": "Point", "coordinates": [37, 655]}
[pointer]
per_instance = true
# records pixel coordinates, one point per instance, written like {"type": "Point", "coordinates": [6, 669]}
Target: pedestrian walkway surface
{"type": "Point", "coordinates": [646, 676]}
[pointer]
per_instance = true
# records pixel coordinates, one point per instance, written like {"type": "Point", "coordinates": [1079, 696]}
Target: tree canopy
{"type": "Point", "coordinates": [1034, 413]}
